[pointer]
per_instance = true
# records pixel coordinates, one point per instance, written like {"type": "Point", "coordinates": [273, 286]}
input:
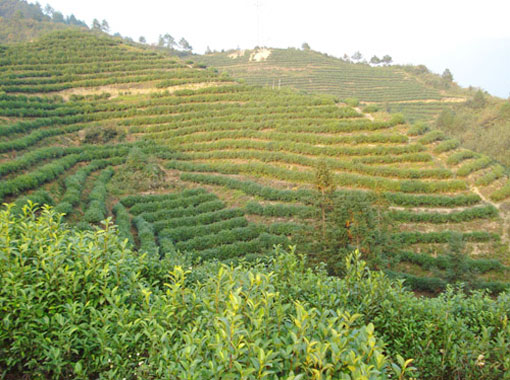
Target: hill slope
{"type": "Point", "coordinates": [21, 21]}
{"type": "Point", "coordinates": [411, 90]}
{"type": "Point", "coordinates": [188, 159]}
{"type": "Point", "coordinates": [316, 72]}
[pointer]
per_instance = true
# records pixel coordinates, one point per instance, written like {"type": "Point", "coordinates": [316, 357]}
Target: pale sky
{"type": "Point", "coordinates": [437, 33]}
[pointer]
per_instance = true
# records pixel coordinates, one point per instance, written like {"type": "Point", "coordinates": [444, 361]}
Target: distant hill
{"type": "Point", "coordinates": [411, 90]}
{"type": "Point", "coordinates": [21, 21]}
{"type": "Point", "coordinates": [316, 72]}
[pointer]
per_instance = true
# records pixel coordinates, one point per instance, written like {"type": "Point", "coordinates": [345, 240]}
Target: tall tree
{"type": "Point", "coordinates": [166, 41]}
{"type": "Point", "coordinates": [48, 10]}
{"type": "Point", "coordinates": [142, 40]}
{"type": "Point", "coordinates": [375, 60]}
{"type": "Point", "coordinates": [387, 59]}
{"type": "Point", "coordinates": [169, 41]}
{"type": "Point", "coordinates": [305, 46]}
{"type": "Point", "coordinates": [357, 56]}
{"type": "Point", "coordinates": [104, 26]}
{"type": "Point", "coordinates": [325, 186]}
{"type": "Point", "coordinates": [58, 17]}
{"type": "Point", "coordinates": [185, 45]}
{"type": "Point", "coordinates": [447, 75]}
{"type": "Point", "coordinates": [96, 25]}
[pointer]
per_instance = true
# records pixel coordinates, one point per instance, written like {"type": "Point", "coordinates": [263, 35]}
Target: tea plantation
{"type": "Point", "coordinates": [199, 170]}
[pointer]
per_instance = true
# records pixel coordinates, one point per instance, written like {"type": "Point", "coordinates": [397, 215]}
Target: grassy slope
{"type": "Point", "coordinates": [165, 121]}
{"type": "Point", "coordinates": [411, 90]}
{"type": "Point", "coordinates": [22, 30]}
{"type": "Point", "coordinates": [316, 72]}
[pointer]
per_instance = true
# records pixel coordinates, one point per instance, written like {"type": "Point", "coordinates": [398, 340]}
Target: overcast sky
{"type": "Point", "coordinates": [472, 38]}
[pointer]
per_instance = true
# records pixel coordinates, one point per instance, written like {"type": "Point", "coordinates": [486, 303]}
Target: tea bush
{"type": "Point", "coordinates": [83, 305]}
{"type": "Point", "coordinates": [96, 209]}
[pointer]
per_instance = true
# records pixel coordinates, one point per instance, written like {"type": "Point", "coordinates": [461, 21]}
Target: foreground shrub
{"type": "Point", "coordinates": [83, 305]}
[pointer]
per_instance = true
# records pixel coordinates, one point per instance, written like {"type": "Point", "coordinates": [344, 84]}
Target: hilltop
{"type": "Point", "coordinates": [315, 72]}
{"type": "Point", "coordinates": [21, 21]}
{"type": "Point", "coordinates": [411, 90]}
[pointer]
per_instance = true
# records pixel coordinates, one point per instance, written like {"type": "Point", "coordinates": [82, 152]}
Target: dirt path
{"type": "Point", "coordinates": [366, 115]}
{"type": "Point", "coordinates": [438, 210]}
{"type": "Point", "coordinates": [504, 215]}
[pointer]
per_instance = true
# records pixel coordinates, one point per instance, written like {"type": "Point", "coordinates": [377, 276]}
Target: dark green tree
{"type": "Point", "coordinates": [166, 41]}
{"type": "Point", "coordinates": [357, 56]}
{"type": "Point", "coordinates": [478, 101]}
{"type": "Point", "coordinates": [387, 60]}
{"type": "Point", "coordinates": [305, 46]}
{"type": "Point", "coordinates": [325, 187]}
{"type": "Point", "coordinates": [96, 25]}
{"type": "Point", "coordinates": [346, 221]}
{"type": "Point", "coordinates": [375, 60]}
{"type": "Point", "coordinates": [458, 270]}
{"type": "Point", "coordinates": [105, 27]}
{"type": "Point", "coordinates": [48, 10]}
{"type": "Point", "coordinates": [185, 45]}
{"type": "Point", "coordinates": [447, 76]}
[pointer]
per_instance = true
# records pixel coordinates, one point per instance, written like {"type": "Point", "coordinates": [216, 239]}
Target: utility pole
{"type": "Point", "coordinates": [258, 6]}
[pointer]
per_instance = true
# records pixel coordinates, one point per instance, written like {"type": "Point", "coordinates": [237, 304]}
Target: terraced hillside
{"type": "Point", "coordinates": [475, 118]}
{"type": "Point", "coordinates": [390, 86]}
{"type": "Point", "coordinates": [186, 159]}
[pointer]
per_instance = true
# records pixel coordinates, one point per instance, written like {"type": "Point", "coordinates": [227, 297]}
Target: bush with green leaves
{"type": "Point", "coordinates": [146, 236]}
{"type": "Point", "coordinates": [411, 237]}
{"type": "Point", "coordinates": [131, 200]}
{"type": "Point", "coordinates": [473, 166]}
{"type": "Point", "coordinates": [31, 158]}
{"type": "Point", "coordinates": [480, 212]}
{"type": "Point", "coordinates": [74, 185]}
{"type": "Point", "coordinates": [447, 145]}
{"type": "Point", "coordinates": [341, 179]}
{"type": "Point", "coordinates": [497, 171]}
{"type": "Point", "coordinates": [248, 187]}
{"type": "Point", "coordinates": [432, 136]}
{"type": "Point", "coordinates": [280, 210]}
{"type": "Point", "coordinates": [218, 238]}
{"type": "Point", "coordinates": [123, 222]}
{"type": "Point", "coordinates": [96, 208]}
{"type": "Point", "coordinates": [186, 233]}
{"type": "Point", "coordinates": [178, 212]}
{"type": "Point", "coordinates": [203, 218]}
{"type": "Point", "coordinates": [461, 155]}
{"type": "Point", "coordinates": [37, 197]}
{"type": "Point", "coordinates": [353, 102]}
{"type": "Point", "coordinates": [182, 201]}
{"type": "Point", "coordinates": [411, 200]}
{"type": "Point", "coordinates": [444, 262]}
{"type": "Point", "coordinates": [418, 129]}
{"type": "Point", "coordinates": [371, 108]}
{"type": "Point", "coordinates": [100, 310]}
{"type": "Point", "coordinates": [141, 172]}
{"type": "Point", "coordinates": [502, 193]}
{"type": "Point", "coordinates": [83, 305]}
{"type": "Point", "coordinates": [356, 166]}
